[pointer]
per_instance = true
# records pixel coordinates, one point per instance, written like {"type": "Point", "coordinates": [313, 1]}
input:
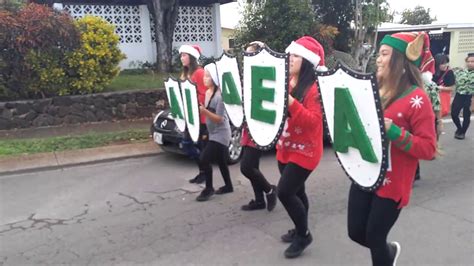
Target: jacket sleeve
{"type": "Point", "coordinates": [307, 114]}
{"type": "Point", "coordinates": [421, 141]}
{"type": "Point", "coordinates": [198, 79]}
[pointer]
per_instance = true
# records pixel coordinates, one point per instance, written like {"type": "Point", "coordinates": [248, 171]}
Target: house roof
{"type": "Point", "coordinates": [130, 2]}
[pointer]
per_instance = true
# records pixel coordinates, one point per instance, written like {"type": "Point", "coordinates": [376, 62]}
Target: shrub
{"type": "Point", "coordinates": [95, 63]}
{"type": "Point", "coordinates": [35, 42]}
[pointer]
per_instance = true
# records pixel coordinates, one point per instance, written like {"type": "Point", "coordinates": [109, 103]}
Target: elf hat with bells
{"type": "Point", "coordinates": [416, 47]}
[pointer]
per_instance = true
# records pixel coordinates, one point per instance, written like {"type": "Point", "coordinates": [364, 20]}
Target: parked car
{"type": "Point", "coordinates": [169, 138]}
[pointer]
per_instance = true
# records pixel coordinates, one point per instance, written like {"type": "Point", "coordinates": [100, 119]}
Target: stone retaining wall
{"type": "Point", "coordinates": [81, 109]}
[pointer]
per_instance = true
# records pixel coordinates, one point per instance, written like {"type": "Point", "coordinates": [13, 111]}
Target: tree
{"type": "Point", "coordinates": [165, 14]}
{"type": "Point", "coordinates": [418, 16]}
{"type": "Point", "coordinates": [275, 22]}
{"type": "Point", "coordinates": [368, 14]}
{"type": "Point", "coordinates": [337, 13]}
{"type": "Point", "coordinates": [11, 5]}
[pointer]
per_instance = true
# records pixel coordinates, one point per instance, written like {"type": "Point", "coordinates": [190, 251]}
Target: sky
{"type": "Point", "coordinates": [450, 11]}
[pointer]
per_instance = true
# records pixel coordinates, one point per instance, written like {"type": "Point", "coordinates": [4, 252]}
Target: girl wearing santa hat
{"type": "Point", "coordinates": [300, 146]}
{"type": "Point", "coordinates": [189, 55]}
{"type": "Point", "coordinates": [219, 135]}
{"type": "Point", "coordinates": [409, 125]}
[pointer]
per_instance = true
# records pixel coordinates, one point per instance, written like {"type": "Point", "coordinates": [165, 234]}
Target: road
{"type": "Point", "coordinates": [143, 211]}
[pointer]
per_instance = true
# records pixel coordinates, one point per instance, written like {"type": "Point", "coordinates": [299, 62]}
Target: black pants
{"type": "Point", "coordinates": [292, 194]}
{"type": "Point", "coordinates": [369, 220]}
{"type": "Point", "coordinates": [214, 152]}
{"type": "Point", "coordinates": [461, 102]}
{"type": "Point", "coordinates": [249, 166]}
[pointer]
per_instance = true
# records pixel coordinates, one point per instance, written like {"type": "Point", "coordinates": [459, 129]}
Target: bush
{"type": "Point", "coordinates": [35, 42]}
{"type": "Point", "coordinates": [95, 63]}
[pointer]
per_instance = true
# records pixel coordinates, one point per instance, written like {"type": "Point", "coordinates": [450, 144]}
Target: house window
{"type": "Point", "coordinates": [466, 41]}
{"type": "Point", "coordinates": [231, 43]}
{"type": "Point", "coordinates": [126, 19]}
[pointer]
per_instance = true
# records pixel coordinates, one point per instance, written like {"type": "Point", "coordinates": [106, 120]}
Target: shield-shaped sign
{"type": "Point", "coordinates": [231, 87]}
{"type": "Point", "coordinates": [191, 108]}
{"type": "Point", "coordinates": [175, 101]}
{"type": "Point", "coordinates": [353, 114]}
{"type": "Point", "coordinates": [265, 95]}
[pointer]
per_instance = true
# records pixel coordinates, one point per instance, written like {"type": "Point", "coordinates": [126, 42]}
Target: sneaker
{"type": "Point", "coordinates": [205, 194]}
{"type": "Point", "coordinates": [395, 250]}
{"type": "Point", "coordinates": [271, 199]}
{"type": "Point", "coordinates": [298, 245]}
{"type": "Point", "coordinates": [197, 178]}
{"type": "Point", "coordinates": [288, 237]}
{"type": "Point", "coordinates": [459, 136]}
{"type": "Point", "coordinates": [254, 205]}
{"type": "Point", "coordinates": [224, 190]}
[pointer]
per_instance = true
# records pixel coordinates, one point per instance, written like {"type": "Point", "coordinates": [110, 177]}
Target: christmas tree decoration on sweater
{"type": "Point", "coordinates": [231, 87]}
{"type": "Point", "coordinates": [265, 95]}
{"type": "Point", "coordinates": [354, 118]}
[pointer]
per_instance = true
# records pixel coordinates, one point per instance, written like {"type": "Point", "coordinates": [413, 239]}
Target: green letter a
{"type": "Point", "coordinates": [348, 128]}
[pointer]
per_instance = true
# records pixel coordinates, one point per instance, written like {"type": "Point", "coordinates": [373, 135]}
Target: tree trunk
{"type": "Point", "coordinates": [165, 14]}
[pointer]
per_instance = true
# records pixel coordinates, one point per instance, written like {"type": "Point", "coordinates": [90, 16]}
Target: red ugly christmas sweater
{"type": "Point", "coordinates": [412, 137]}
{"type": "Point", "coordinates": [302, 139]}
{"type": "Point", "coordinates": [198, 78]}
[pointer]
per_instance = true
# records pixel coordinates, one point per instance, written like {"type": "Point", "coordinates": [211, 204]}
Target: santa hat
{"type": "Point", "coordinates": [310, 49]}
{"type": "Point", "coordinates": [416, 47]}
{"type": "Point", "coordinates": [212, 69]}
{"type": "Point", "coordinates": [193, 50]}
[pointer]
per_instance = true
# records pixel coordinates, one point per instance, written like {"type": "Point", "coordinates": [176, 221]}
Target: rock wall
{"type": "Point", "coordinates": [81, 109]}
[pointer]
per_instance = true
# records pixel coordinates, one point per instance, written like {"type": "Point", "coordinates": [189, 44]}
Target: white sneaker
{"type": "Point", "coordinates": [396, 245]}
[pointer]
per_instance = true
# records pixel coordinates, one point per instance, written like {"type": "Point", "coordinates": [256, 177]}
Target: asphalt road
{"type": "Point", "coordinates": [143, 211]}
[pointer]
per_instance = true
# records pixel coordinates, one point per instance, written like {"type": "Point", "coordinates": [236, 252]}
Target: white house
{"type": "Point", "coordinates": [198, 23]}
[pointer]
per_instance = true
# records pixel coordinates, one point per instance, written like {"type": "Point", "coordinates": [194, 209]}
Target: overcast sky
{"type": "Point", "coordinates": [450, 11]}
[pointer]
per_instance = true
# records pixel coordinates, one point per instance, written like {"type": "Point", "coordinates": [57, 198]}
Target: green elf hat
{"type": "Point", "coordinates": [415, 46]}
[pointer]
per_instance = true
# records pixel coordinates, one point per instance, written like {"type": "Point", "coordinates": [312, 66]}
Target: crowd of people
{"type": "Point", "coordinates": [403, 73]}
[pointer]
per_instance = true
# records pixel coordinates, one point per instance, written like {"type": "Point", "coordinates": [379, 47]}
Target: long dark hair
{"type": "Point", "coordinates": [440, 59]}
{"type": "Point", "coordinates": [403, 74]}
{"type": "Point", "coordinates": [189, 70]}
{"type": "Point", "coordinates": [306, 79]}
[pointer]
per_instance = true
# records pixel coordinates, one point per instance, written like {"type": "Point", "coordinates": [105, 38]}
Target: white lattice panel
{"type": "Point", "coordinates": [195, 24]}
{"type": "Point", "coordinates": [466, 41]}
{"type": "Point", "coordinates": [125, 18]}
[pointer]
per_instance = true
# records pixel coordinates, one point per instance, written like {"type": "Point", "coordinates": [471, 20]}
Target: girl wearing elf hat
{"type": "Point", "coordinates": [219, 135]}
{"type": "Point", "coordinates": [249, 165]}
{"type": "Point", "coordinates": [300, 146]}
{"type": "Point", "coordinates": [189, 55]}
{"type": "Point", "coordinates": [409, 125]}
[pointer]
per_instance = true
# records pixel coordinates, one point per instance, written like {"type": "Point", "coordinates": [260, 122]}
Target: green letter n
{"type": "Point", "coordinates": [348, 128]}
{"type": "Point", "coordinates": [260, 94]}
{"type": "Point", "coordinates": [174, 105]}
{"type": "Point", "coordinates": [230, 95]}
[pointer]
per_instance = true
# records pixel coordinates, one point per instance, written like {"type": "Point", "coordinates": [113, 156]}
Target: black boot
{"type": "Point", "coordinates": [289, 236]}
{"type": "Point", "coordinates": [253, 205]}
{"type": "Point", "coordinates": [271, 199]}
{"type": "Point", "coordinates": [205, 194]}
{"type": "Point", "coordinates": [298, 245]}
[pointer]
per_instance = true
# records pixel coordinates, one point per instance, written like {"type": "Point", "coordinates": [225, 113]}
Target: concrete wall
{"type": "Point", "coordinates": [462, 43]}
{"type": "Point", "coordinates": [81, 109]}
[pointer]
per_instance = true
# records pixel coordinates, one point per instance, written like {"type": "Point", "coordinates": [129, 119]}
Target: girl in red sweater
{"type": "Point", "coordinates": [249, 166]}
{"type": "Point", "coordinates": [409, 125]}
{"type": "Point", "coordinates": [300, 146]}
{"type": "Point", "coordinates": [189, 55]}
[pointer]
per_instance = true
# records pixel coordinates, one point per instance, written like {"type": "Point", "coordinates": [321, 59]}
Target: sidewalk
{"type": "Point", "coordinates": [54, 160]}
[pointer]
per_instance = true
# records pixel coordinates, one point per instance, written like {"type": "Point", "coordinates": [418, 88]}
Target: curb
{"type": "Point", "coordinates": [57, 160]}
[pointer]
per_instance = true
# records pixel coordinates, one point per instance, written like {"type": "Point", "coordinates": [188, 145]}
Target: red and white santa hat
{"type": "Point", "coordinates": [310, 49]}
{"type": "Point", "coordinates": [193, 50]}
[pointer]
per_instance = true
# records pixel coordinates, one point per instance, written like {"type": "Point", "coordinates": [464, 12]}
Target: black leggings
{"type": "Point", "coordinates": [292, 195]}
{"type": "Point", "coordinates": [369, 220]}
{"type": "Point", "coordinates": [461, 102]}
{"type": "Point", "coordinates": [249, 166]}
{"type": "Point", "coordinates": [214, 152]}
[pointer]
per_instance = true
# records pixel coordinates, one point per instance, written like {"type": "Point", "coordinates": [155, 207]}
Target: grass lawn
{"type": "Point", "coordinates": [29, 146]}
{"type": "Point", "coordinates": [131, 81]}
